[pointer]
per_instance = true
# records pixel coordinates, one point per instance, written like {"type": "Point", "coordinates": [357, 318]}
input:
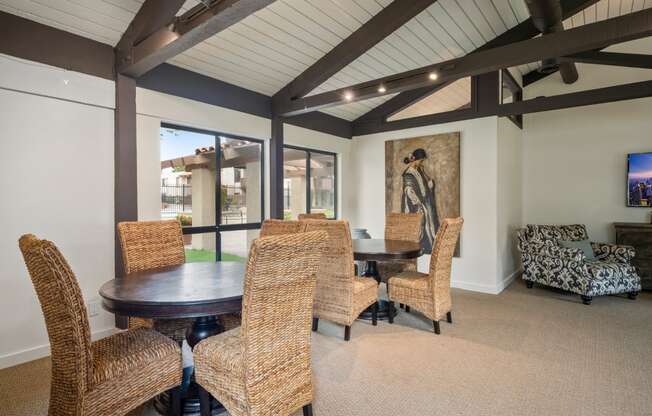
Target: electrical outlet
{"type": "Point", "coordinates": [93, 307]}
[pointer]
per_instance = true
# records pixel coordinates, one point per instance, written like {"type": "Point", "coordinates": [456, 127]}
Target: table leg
{"type": "Point", "coordinates": [202, 328]}
{"type": "Point", "coordinates": [371, 270]}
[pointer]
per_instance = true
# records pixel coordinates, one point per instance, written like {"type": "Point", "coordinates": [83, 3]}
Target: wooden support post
{"type": "Point", "coordinates": [276, 196]}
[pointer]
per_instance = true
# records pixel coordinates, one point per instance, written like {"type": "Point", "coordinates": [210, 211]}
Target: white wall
{"type": "Point", "coordinates": [56, 153]}
{"type": "Point", "coordinates": [509, 197]}
{"type": "Point", "coordinates": [477, 268]}
{"type": "Point", "coordinates": [575, 160]}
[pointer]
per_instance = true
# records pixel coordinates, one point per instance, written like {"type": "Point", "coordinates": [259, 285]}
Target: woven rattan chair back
{"type": "Point", "coordinates": [403, 226]}
{"type": "Point", "coordinates": [279, 227]}
{"type": "Point", "coordinates": [276, 316]}
{"type": "Point", "coordinates": [441, 262]}
{"type": "Point", "coordinates": [149, 245]}
{"type": "Point", "coordinates": [313, 216]}
{"type": "Point", "coordinates": [66, 321]}
{"type": "Point", "coordinates": [337, 265]}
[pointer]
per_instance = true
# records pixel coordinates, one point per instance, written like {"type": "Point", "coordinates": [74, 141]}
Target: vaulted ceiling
{"type": "Point", "coordinates": [271, 47]}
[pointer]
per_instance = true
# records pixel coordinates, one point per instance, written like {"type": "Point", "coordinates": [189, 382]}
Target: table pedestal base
{"type": "Point", "coordinates": [371, 270]}
{"type": "Point", "coordinates": [204, 327]}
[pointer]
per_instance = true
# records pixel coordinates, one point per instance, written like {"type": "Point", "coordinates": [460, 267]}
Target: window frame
{"type": "Point", "coordinates": [218, 228]}
{"type": "Point", "coordinates": [309, 152]}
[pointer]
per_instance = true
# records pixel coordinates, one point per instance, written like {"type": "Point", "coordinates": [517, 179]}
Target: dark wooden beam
{"type": "Point", "coordinates": [33, 41]}
{"type": "Point", "coordinates": [324, 123]}
{"type": "Point", "coordinates": [588, 37]}
{"type": "Point", "coordinates": [632, 60]}
{"type": "Point", "coordinates": [125, 164]}
{"type": "Point", "coordinates": [152, 16]}
{"type": "Point", "coordinates": [189, 29]}
{"type": "Point", "coordinates": [484, 102]}
{"type": "Point", "coordinates": [523, 31]}
{"type": "Point", "coordinates": [577, 99]}
{"type": "Point", "coordinates": [276, 192]}
{"type": "Point", "coordinates": [364, 38]}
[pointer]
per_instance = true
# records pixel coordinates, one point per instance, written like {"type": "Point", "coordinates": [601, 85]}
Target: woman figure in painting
{"type": "Point", "coordinates": [418, 195]}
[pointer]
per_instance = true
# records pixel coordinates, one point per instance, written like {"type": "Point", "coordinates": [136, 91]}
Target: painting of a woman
{"type": "Point", "coordinates": [418, 195]}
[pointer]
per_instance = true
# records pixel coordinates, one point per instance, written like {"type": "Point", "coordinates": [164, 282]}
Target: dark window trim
{"type": "Point", "coordinates": [219, 228]}
{"type": "Point", "coordinates": [308, 190]}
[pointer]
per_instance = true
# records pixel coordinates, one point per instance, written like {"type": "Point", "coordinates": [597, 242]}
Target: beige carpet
{"type": "Point", "coordinates": [524, 352]}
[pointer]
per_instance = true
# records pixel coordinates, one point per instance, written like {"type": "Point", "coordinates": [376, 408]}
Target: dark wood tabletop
{"type": "Point", "coordinates": [186, 291]}
{"type": "Point", "coordinates": [380, 249]}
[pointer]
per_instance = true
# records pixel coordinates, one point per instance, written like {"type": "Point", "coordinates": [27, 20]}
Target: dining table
{"type": "Point", "coordinates": [372, 250]}
{"type": "Point", "coordinates": [201, 291]}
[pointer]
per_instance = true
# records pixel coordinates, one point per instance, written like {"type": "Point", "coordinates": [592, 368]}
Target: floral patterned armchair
{"type": "Point", "coordinates": [548, 263]}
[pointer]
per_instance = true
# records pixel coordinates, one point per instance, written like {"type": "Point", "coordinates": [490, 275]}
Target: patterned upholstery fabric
{"type": "Point", "coordinates": [545, 262]}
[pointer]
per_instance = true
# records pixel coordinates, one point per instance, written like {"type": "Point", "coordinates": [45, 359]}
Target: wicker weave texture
{"type": "Point", "coordinates": [404, 227]}
{"type": "Point", "coordinates": [279, 227]}
{"type": "Point", "coordinates": [430, 293]}
{"type": "Point", "coordinates": [313, 216]}
{"type": "Point", "coordinates": [108, 377]}
{"type": "Point", "coordinates": [340, 296]}
{"type": "Point", "coordinates": [263, 368]}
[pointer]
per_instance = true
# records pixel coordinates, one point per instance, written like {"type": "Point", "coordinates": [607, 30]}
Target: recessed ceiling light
{"type": "Point", "coordinates": [348, 96]}
{"type": "Point", "coordinates": [382, 89]}
{"type": "Point", "coordinates": [433, 76]}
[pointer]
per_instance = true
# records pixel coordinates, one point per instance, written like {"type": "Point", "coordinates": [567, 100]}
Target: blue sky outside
{"type": "Point", "coordinates": [177, 143]}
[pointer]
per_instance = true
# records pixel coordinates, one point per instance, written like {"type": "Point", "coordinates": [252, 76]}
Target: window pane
{"type": "Point", "coordinates": [294, 182]}
{"type": "Point", "coordinates": [188, 177]}
{"type": "Point", "coordinates": [235, 244]}
{"type": "Point", "coordinates": [200, 247]}
{"type": "Point", "coordinates": [241, 179]}
{"type": "Point", "coordinates": [322, 184]}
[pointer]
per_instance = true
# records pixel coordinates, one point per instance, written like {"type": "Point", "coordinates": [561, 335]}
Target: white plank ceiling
{"type": "Point", "coordinates": [270, 48]}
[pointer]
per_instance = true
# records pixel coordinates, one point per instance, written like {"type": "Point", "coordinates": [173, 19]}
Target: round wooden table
{"type": "Point", "coordinates": [191, 290]}
{"type": "Point", "coordinates": [373, 250]}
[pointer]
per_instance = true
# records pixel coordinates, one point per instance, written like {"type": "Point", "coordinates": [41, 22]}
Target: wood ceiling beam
{"type": "Point", "coordinates": [631, 60]}
{"type": "Point", "coordinates": [523, 31]}
{"type": "Point", "coordinates": [588, 37]}
{"type": "Point", "coordinates": [152, 15]}
{"type": "Point", "coordinates": [186, 31]}
{"type": "Point", "coordinates": [577, 99]}
{"type": "Point", "coordinates": [364, 38]}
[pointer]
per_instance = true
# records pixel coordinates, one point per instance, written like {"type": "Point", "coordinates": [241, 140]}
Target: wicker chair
{"type": "Point", "coordinates": [404, 227]}
{"type": "Point", "coordinates": [279, 227]}
{"type": "Point", "coordinates": [340, 296]}
{"type": "Point", "coordinates": [313, 216]}
{"type": "Point", "coordinates": [150, 245]}
{"type": "Point", "coordinates": [429, 293]}
{"type": "Point", "coordinates": [263, 368]}
{"type": "Point", "coordinates": [109, 377]}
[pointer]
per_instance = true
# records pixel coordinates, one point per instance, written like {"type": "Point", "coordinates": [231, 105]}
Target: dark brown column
{"type": "Point", "coordinates": [276, 169]}
{"type": "Point", "coordinates": [126, 197]}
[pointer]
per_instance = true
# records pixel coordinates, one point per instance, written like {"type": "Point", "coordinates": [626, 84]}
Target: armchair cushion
{"type": "Point", "coordinates": [584, 245]}
{"type": "Point", "coordinates": [613, 252]}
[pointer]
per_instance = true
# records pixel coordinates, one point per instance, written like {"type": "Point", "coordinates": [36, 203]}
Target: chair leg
{"type": "Point", "coordinates": [374, 314]}
{"type": "Point", "coordinates": [174, 407]}
{"type": "Point", "coordinates": [307, 410]}
{"type": "Point", "coordinates": [407, 309]}
{"type": "Point", "coordinates": [529, 284]}
{"type": "Point", "coordinates": [390, 312]}
{"type": "Point", "coordinates": [315, 324]}
{"type": "Point", "coordinates": [449, 317]}
{"type": "Point", "coordinates": [435, 324]}
{"type": "Point", "coordinates": [587, 299]}
{"type": "Point", "coordinates": [204, 401]}
{"type": "Point", "coordinates": [632, 295]}
{"type": "Point", "coordinates": [347, 332]}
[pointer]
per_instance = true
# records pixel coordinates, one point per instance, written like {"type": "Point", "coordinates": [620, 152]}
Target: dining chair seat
{"type": "Point", "coordinates": [411, 280]}
{"type": "Point", "coordinates": [361, 284]}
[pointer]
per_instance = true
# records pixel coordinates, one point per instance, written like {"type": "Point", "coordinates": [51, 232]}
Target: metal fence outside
{"type": "Point", "coordinates": [177, 199]}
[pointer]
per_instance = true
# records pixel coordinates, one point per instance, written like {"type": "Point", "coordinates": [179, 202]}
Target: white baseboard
{"type": "Point", "coordinates": [34, 353]}
{"type": "Point", "coordinates": [490, 289]}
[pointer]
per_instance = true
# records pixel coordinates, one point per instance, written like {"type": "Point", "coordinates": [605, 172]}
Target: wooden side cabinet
{"type": "Point", "coordinates": [638, 235]}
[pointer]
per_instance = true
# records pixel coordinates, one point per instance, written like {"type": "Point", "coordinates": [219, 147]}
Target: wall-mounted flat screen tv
{"type": "Point", "coordinates": [639, 180]}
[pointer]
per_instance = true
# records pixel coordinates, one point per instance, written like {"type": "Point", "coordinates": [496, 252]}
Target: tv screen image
{"type": "Point", "coordinates": [639, 180]}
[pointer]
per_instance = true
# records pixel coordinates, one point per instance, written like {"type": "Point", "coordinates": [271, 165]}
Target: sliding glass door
{"type": "Point", "coordinates": [212, 183]}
